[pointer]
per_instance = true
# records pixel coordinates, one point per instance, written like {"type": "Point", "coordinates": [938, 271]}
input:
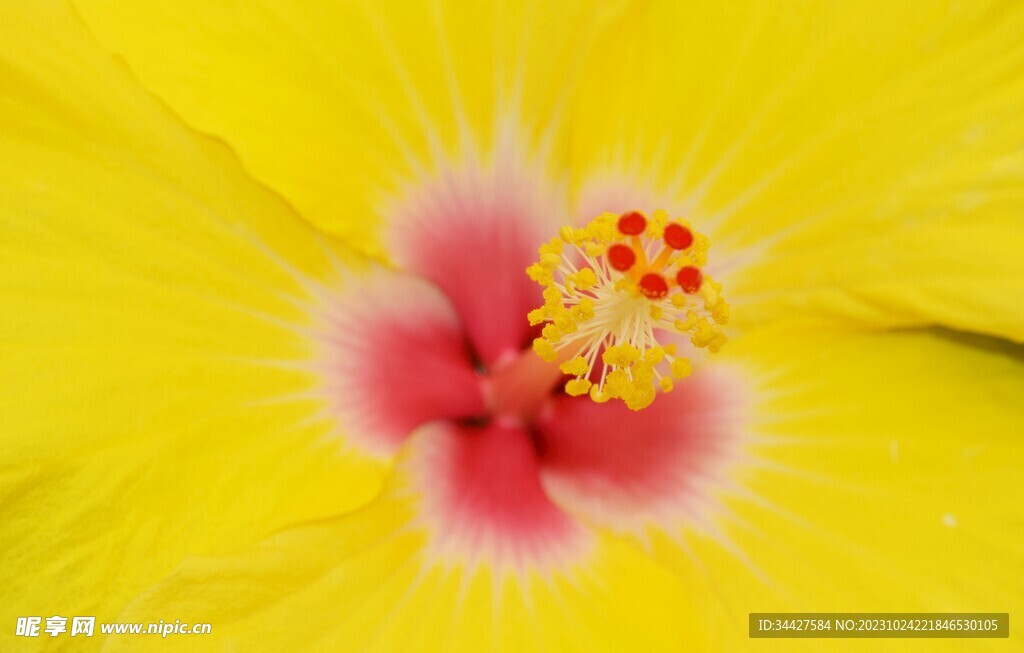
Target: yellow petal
{"type": "Point", "coordinates": [373, 581]}
{"type": "Point", "coordinates": [858, 160]}
{"type": "Point", "coordinates": [335, 104]}
{"type": "Point", "coordinates": [154, 305]}
{"type": "Point", "coordinates": [875, 470]}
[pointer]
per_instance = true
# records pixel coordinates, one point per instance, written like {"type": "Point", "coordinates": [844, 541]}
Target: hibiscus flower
{"type": "Point", "coordinates": [269, 348]}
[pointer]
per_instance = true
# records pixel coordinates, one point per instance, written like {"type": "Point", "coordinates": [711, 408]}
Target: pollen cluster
{"type": "Point", "coordinates": [611, 289]}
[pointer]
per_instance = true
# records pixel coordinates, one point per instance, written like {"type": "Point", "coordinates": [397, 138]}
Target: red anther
{"type": "Point", "coordinates": [621, 257]}
{"type": "Point", "coordinates": [689, 279]}
{"type": "Point", "coordinates": [677, 236]}
{"type": "Point", "coordinates": [632, 223]}
{"type": "Point", "coordinates": [653, 285]}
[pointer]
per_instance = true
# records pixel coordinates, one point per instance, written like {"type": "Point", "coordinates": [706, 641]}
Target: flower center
{"type": "Point", "coordinates": [611, 290]}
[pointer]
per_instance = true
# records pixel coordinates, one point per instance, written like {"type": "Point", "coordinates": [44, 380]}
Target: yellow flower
{"type": "Point", "coordinates": [243, 247]}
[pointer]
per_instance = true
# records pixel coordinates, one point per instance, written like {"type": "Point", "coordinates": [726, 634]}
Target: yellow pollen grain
{"type": "Point", "coordinates": [640, 398]}
{"type": "Point", "coordinates": [544, 349]}
{"type": "Point", "coordinates": [680, 368]}
{"type": "Point", "coordinates": [621, 355]}
{"type": "Point", "coordinates": [654, 355]}
{"type": "Point", "coordinates": [617, 384]}
{"type": "Point", "coordinates": [566, 324]}
{"type": "Point", "coordinates": [577, 387]}
{"type": "Point", "coordinates": [553, 298]}
{"type": "Point", "coordinates": [550, 261]}
{"type": "Point", "coordinates": [720, 313]}
{"type": "Point", "coordinates": [575, 367]}
{"type": "Point", "coordinates": [643, 374]}
{"type": "Point", "coordinates": [586, 278]}
{"type": "Point", "coordinates": [540, 274]}
{"type": "Point", "coordinates": [552, 333]}
{"type": "Point", "coordinates": [584, 310]}
{"type": "Point", "coordinates": [553, 247]}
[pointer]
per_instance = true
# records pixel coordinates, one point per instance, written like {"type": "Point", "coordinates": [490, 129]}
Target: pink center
{"type": "Point", "coordinates": [483, 497]}
{"type": "Point", "coordinates": [504, 461]}
{"type": "Point", "coordinates": [510, 484]}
